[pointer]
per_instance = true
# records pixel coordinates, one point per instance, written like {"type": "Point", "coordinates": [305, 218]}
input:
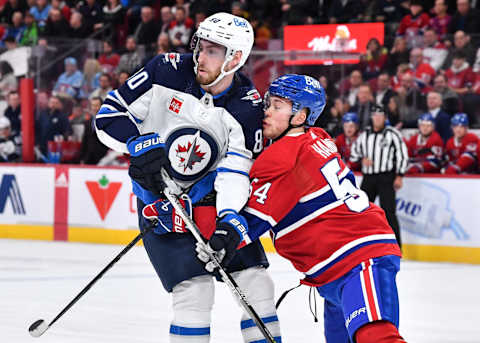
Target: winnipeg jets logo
{"type": "Point", "coordinates": [173, 58]}
{"type": "Point", "coordinates": [190, 154]}
{"type": "Point", "coordinates": [254, 96]}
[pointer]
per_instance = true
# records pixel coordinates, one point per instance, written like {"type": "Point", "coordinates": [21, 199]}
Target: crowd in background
{"type": "Point", "coordinates": [428, 63]}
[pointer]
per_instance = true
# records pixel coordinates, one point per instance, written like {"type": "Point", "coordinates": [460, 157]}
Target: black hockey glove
{"type": "Point", "coordinates": [147, 158]}
{"type": "Point", "coordinates": [224, 242]}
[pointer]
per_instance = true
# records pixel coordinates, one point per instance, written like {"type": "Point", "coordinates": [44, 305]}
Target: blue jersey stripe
{"type": "Point", "coordinates": [228, 170]}
{"type": "Point", "coordinates": [249, 323]}
{"type": "Point", "coordinates": [115, 104]}
{"type": "Point", "coordinates": [183, 331]}
{"type": "Point", "coordinates": [348, 252]}
{"type": "Point", "coordinates": [256, 225]}
{"type": "Point", "coordinates": [237, 154]}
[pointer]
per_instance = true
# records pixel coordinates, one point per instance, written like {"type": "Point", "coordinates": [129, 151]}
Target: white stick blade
{"type": "Point", "coordinates": [38, 328]}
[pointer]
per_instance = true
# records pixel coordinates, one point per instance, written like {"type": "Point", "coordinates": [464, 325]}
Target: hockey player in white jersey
{"type": "Point", "coordinates": [200, 120]}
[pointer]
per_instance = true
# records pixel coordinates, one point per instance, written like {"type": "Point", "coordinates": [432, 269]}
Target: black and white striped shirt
{"type": "Point", "coordinates": [385, 148]}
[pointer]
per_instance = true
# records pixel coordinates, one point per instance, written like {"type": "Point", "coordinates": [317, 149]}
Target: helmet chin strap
{"type": "Point", "coordinates": [289, 127]}
{"type": "Point", "coordinates": [223, 73]}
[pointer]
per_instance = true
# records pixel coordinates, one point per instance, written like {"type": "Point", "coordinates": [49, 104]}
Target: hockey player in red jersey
{"type": "Point", "coordinates": [461, 149]}
{"type": "Point", "coordinates": [425, 149]}
{"type": "Point", "coordinates": [304, 194]}
{"type": "Point", "coordinates": [345, 140]}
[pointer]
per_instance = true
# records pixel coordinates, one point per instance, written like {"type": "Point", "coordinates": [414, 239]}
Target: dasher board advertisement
{"type": "Point", "coordinates": [333, 43]}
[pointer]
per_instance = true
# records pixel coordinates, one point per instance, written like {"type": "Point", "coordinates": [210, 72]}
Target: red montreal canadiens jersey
{"type": "Point", "coordinates": [344, 145]}
{"type": "Point", "coordinates": [426, 154]}
{"type": "Point", "coordinates": [319, 220]}
{"type": "Point", "coordinates": [462, 152]}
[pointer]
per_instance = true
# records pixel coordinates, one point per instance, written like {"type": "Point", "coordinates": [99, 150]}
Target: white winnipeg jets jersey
{"type": "Point", "coordinates": [199, 137]}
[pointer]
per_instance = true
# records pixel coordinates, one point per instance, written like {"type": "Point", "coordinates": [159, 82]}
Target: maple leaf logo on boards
{"type": "Point", "coordinates": [190, 154]}
{"type": "Point", "coordinates": [103, 193]}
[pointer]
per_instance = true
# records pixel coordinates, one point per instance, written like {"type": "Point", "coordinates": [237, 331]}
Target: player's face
{"type": "Point", "coordinates": [210, 60]}
{"type": "Point", "coordinates": [349, 129]}
{"type": "Point", "coordinates": [459, 131]}
{"type": "Point", "coordinates": [425, 128]}
{"type": "Point", "coordinates": [277, 116]}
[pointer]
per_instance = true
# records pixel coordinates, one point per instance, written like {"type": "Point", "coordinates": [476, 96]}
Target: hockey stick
{"type": "Point", "coordinates": [39, 327]}
{"type": "Point", "coordinates": [226, 277]}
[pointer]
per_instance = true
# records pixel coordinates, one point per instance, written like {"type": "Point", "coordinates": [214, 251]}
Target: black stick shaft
{"type": "Point", "coordinates": [99, 275]}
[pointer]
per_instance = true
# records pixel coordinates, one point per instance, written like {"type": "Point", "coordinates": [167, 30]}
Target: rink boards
{"type": "Point", "coordinates": [438, 215]}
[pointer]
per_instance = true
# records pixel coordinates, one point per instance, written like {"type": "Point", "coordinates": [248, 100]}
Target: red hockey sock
{"type": "Point", "coordinates": [378, 332]}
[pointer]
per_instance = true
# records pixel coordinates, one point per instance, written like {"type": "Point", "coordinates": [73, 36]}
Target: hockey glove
{"type": "Point", "coordinates": [148, 157]}
{"type": "Point", "coordinates": [228, 234]}
{"type": "Point", "coordinates": [168, 218]}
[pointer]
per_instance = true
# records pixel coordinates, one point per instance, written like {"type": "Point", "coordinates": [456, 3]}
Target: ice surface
{"type": "Point", "coordinates": [439, 302]}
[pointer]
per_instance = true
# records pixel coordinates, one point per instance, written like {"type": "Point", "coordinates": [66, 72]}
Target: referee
{"type": "Point", "coordinates": [383, 156]}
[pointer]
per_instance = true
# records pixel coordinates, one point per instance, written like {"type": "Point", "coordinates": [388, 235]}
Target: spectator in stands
{"type": "Point", "coordinates": [449, 97]}
{"type": "Point", "coordinates": [374, 59]}
{"type": "Point", "coordinates": [104, 87]}
{"type": "Point", "coordinates": [70, 83]}
{"type": "Point", "coordinates": [460, 76]}
{"type": "Point", "coordinates": [52, 124]}
{"type": "Point", "coordinates": [166, 17]}
{"type": "Point", "coordinates": [424, 73]}
{"type": "Point", "coordinates": [56, 26]}
{"type": "Point", "coordinates": [425, 149]}
{"type": "Point", "coordinates": [342, 11]}
{"type": "Point", "coordinates": [331, 120]}
{"type": "Point", "coordinates": [442, 119]}
{"type": "Point", "coordinates": [299, 12]}
{"type": "Point", "coordinates": [92, 13]}
{"type": "Point", "coordinates": [396, 80]}
{"type": "Point", "coordinates": [77, 121]}
{"type": "Point", "coordinates": [413, 24]}
{"type": "Point", "coordinates": [412, 101]}
{"type": "Point", "coordinates": [465, 19]}
{"type": "Point", "coordinates": [92, 149]}
{"type": "Point", "coordinates": [461, 149]}
{"type": "Point", "coordinates": [122, 77]}
{"type": "Point", "coordinates": [17, 28]}
{"type": "Point", "coordinates": [10, 7]}
{"type": "Point", "coordinates": [351, 86]}
{"type": "Point", "coordinates": [10, 142]}
{"type": "Point", "coordinates": [108, 59]}
{"type": "Point", "coordinates": [441, 21]}
{"type": "Point", "coordinates": [363, 105]}
{"type": "Point", "coordinates": [398, 55]}
{"type": "Point", "coordinates": [345, 140]}
{"type": "Point", "coordinates": [384, 92]}
{"type": "Point", "coordinates": [163, 44]}
{"type": "Point", "coordinates": [13, 112]}
{"type": "Point", "coordinates": [91, 72]}
{"type": "Point", "coordinates": [113, 17]}
{"type": "Point", "coordinates": [40, 12]}
{"type": "Point", "coordinates": [78, 28]}
{"type": "Point", "coordinates": [130, 60]}
{"type": "Point", "coordinates": [8, 81]}
{"type": "Point", "coordinates": [390, 11]}
{"type": "Point", "coordinates": [461, 42]}
{"type": "Point", "coordinates": [147, 31]}
{"type": "Point", "coordinates": [30, 34]}
{"type": "Point", "coordinates": [476, 64]}
{"type": "Point", "coordinates": [180, 30]}
{"type": "Point", "coordinates": [392, 110]}
{"type": "Point", "coordinates": [184, 4]}
{"type": "Point", "coordinates": [63, 8]}
{"type": "Point", "coordinates": [434, 51]}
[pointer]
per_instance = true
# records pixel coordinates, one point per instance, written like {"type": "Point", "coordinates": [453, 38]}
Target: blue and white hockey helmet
{"type": "Point", "coordinates": [426, 118]}
{"type": "Point", "coordinates": [350, 117]}
{"type": "Point", "coordinates": [303, 91]}
{"type": "Point", "coordinates": [459, 119]}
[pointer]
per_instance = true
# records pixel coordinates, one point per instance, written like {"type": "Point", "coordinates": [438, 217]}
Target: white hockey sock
{"type": "Point", "coordinates": [192, 305]}
{"type": "Point", "coordinates": [258, 287]}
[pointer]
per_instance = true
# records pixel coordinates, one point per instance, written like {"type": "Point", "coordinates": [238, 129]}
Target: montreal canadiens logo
{"type": "Point", "coordinates": [192, 152]}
